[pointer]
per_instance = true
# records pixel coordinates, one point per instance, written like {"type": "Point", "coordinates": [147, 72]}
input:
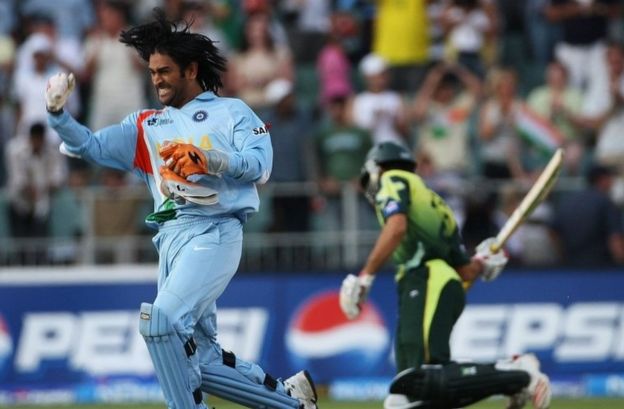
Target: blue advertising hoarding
{"type": "Point", "coordinates": [73, 336]}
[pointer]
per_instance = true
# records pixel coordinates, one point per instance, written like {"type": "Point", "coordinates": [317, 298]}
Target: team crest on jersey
{"type": "Point", "coordinates": [200, 116]}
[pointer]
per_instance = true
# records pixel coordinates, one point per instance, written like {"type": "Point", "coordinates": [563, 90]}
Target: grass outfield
{"type": "Point", "coordinates": [325, 404]}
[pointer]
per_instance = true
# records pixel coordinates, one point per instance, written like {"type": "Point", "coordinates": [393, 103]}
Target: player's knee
{"type": "Point", "coordinates": [154, 322]}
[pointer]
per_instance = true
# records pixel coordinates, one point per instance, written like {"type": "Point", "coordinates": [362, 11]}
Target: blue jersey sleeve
{"type": "Point", "coordinates": [113, 146]}
{"type": "Point", "coordinates": [253, 160]}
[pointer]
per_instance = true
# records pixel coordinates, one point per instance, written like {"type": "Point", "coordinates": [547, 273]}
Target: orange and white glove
{"type": "Point", "coordinates": [353, 294]}
{"type": "Point", "coordinates": [58, 89]}
{"type": "Point", "coordinates": [179, 189]}
{"type": "Point", "coordinates": [186, 159]}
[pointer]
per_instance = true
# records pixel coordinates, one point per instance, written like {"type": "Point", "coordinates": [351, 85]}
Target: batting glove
{"type": "Point", "coordinates": [59, 87]}
{"type": "Point", "coordinates": [493, 263]}
{"type": "Point", "coordinates": [181, 190]}
{"type": "Point", "coordinates": [186, 159]}
{"type": "Point", "coordinates": [353, 294]}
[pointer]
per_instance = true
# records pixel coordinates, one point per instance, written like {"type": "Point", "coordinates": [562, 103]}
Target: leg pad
{"type": "Point", "coordinates": [227, 383]}
{"type": "Point", "coordinates": [457, 385]}
{"type": "Point", "coordinates": [171, 362]}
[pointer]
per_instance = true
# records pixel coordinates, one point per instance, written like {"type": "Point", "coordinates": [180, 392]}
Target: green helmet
{"type": "Point", "coordinates": [390, 152]}
{"type": "Point", "coordinates": [382, 155]}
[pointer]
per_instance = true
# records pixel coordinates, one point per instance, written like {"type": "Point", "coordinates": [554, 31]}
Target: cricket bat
{"type": "Point", "coordinates": [533, 198]}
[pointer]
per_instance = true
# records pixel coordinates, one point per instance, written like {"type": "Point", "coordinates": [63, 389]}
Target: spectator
{"type": "Point", "coordinates": [7, 44]}
{"type": "Point", "coordinates": [28, 85]}
{"type": "Point", "coordinates": [542, 33]}
{"type": "Point", "coordinates": [116, 219]}
{"type": "Point", "coordinates": [332, 64]}
{"type": "Point", "coordinates": [468, 26]}
{"type": "Point", "coordinates": [401, 37]}
{"type": "Point", "coordinates": [499, 148]}
{"type": "Point", "coordinates": [377, 108]}
{"type": "Point", "coordinates": [556, 102]}
{"type": "Point", "coordinates": [62, 55]}
{"type": "Point", "coordinates": [610, 144]}
{"type": "Point", "coordinates": [258, 63]}
{"type": "Point", "coordinates": [275, 27]}
{"type": "Point", "coordinates": [442, 111]}
{"type": "Point", "coordinates": [73, 18]}
{"type": "Point", "coordinates": [311, 26]}
{"type": "Point", "coordinates": [68, 218]}
{"type": "Point", "coordinates": [118, 88]}
{"type": "Point", "coordinates": [556, 96]}
{"type": "Point", "coordinates": [585, 32]}
{"type": "Point", "coordinates": [7, 57]}
{"type": "Point", "coordinates": [589, 225]}
{"type": "Point", "coordinates": [340, 149]}
{"type": "Point", "coordinates": [291, 128]}
{"type": "Point", "coordinates": [35, 169]}
{"type": "Point", "coordinates": [8, 17]}
{"type": "Point", "coordinates": [608, 118]}
{"type": "Point", "coordinates": [203, 17]}
{"type": "Point", "coordinates": [67, 51]}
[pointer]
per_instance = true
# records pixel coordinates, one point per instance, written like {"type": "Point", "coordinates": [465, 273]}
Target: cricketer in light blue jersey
{"type": "Point", "coordinates": [208, 122]}
{"type": "Point", "coordinates": [201, 158]}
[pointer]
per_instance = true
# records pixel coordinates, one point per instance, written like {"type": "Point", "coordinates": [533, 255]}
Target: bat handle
{"type": "Point", "coordinates": [495, 247]}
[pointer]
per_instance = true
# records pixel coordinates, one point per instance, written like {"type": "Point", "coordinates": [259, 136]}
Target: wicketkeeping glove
{"type": "Point", "coordinates": [493, 263]}
{"type": "Point", "coordinates": [180, 189]}
{"type": "Point", "coordinates": [186, 159]}
{"type": "Point", "coordinates": [59, 87]}
{"type": "Point", "coordinates": [353, 293]}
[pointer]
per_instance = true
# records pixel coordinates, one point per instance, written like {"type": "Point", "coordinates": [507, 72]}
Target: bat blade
{"type": "Point", "coordinates": [533, 198]}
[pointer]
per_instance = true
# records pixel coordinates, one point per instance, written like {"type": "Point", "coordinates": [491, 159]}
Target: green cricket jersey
{"type": "Point", "coordinates": [432, 231]}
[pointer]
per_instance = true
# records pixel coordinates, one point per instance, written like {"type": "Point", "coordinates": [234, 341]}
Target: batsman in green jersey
{"type": "Point", "coordinates": [421, 235]}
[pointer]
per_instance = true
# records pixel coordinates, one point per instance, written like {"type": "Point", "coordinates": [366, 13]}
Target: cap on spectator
{"type": "Point", "coordinates": [40, 43]}
{"type": "Point", "coordinates": [277, 90]}
{"type": "Point", "coordinates": [373, 64]}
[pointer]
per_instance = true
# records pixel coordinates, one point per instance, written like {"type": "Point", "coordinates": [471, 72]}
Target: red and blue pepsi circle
{"type": "Point", "coordinates": [320, 338]}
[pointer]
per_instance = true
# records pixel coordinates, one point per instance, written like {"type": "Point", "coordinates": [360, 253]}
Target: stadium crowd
{"type": "Point", "coordinates": [482, 91]}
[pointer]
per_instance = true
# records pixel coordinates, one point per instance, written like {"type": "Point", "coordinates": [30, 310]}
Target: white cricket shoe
{"type": "Point", "coordinates": [301, 387]}
{"type": "Point", "coordinates": [396, 401]}
{"type": "Point", "coordinates": [538, 391]}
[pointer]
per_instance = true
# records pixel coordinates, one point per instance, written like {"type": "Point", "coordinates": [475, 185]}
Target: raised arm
{"type": "Point", "coordinates": [114, 146]}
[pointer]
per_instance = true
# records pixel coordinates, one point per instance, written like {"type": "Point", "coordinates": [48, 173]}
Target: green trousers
{"type": "Point", "coordinates": [431, 299]}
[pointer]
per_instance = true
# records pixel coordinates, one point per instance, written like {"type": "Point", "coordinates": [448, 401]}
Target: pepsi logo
{"type": "Point", "coordinates": [6, 345]}
{"type": "Point", "coordinates": [321, 339]}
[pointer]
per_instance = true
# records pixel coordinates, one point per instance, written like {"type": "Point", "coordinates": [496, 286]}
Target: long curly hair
{"type": "Point", "coordinates": [166, 37]}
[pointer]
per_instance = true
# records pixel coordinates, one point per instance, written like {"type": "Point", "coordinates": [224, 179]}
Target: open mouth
{"type": "Point", "coordinates": [164, 92]}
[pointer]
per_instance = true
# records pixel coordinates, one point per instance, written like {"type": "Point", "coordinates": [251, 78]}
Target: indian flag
{"type": "Point", "coordinates": [537, 130]}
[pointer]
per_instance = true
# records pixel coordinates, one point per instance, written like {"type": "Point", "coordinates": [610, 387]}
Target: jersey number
{"type": "Point", "coordinates": [447, 222]}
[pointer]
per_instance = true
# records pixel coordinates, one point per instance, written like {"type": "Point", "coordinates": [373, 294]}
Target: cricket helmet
{"type": "Point", "coordinates": [387, 155]}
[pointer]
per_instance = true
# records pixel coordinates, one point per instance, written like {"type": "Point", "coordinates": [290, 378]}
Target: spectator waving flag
{"type": "Point", "coordinates": [537, 130]}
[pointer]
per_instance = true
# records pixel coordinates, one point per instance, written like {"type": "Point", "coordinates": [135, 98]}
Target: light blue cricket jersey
{"type": "Point", "coordinates": [208, 122]}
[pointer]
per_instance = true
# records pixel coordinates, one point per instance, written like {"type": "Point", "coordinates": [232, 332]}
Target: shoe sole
{"type": "Point", "coordinates": [408, 405]}
{"type": "Point", "coordinates": [311, 382]}
{"type": "Point", "coordinates": [541, 400]}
